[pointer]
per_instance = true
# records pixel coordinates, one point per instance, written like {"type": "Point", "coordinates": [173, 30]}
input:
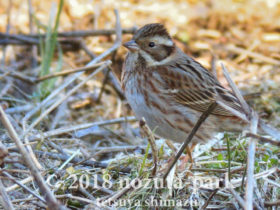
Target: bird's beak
{"type": "Point", "coordinates": [131, 45]}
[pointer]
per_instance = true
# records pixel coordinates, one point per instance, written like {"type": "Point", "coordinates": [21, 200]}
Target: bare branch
{"type": "Point", "coordinates": [263, 139]}
{"type": "Point", "coordinates": [65, 72]}
{"type": "Point", "coordinates": [49, 197]}
{"type": "Point", "coordinates": [237, 197]}
{"type": "Point", "coordinates": [23, 186]}
{"type": "Point", "coordinates": [251, 164]}
{"type": "Point", "coordinates": [209, 199]}
{"type": "Point", "coordinates": [33, 38]}
{"type": "Point", "coordinates": [237, 93]}
{"type": "Point", "coordinates": [4, 198]}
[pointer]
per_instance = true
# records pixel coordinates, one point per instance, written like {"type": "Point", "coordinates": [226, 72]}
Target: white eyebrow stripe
{"type": "Point", "coordinates": [162, 40]}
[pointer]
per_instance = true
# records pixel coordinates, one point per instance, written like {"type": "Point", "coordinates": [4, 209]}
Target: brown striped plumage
{"type": "Point", "coordinates": [171, 90]}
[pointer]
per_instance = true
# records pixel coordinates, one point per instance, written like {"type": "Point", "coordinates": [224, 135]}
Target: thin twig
{"type": "Point", "coordinates": [7, 87]}
{"type": "Point", "coordinates": [49, 197]}
{"type": "Point", "coordinates": [66, 72]}
{"type": "Point", "coordinates": [271, 203]}
{"type": "Point", "coordinates": [24, 200]}
{"type": "Point", "coordinates": [17, 38]}
{"type": "Point", "coordinates": [3, 153]}
{"type": "Point", "coordinates": [171, 145]}
{"type": "Point", "coordinates": [87, 50]}
{"type": "Point", "coordinates": [23, 181]}
{"type": "Point", "coordinates": [105, 80]}
{"type": "Point", "coordinates": [268, 129]}
{"type": "Point", "coordinates": [121, 193]}
{"type": "Point", "coordinates": [68, 129]}
{"type": "Point", "coordinates": [218, 170]}
{"type": "Point", "coordinates": [102, 150]}
{"type": "Point", "coordinates": [237, 197]}
{"type": "Point", "coordinates": [81, 161]}
{"type": "Point", "coordinates": [86, 193]}
{"type": "Point", "coordinates": [7, 29]}
{"type": "Point", "coordinates": [64, 164]}
{"type": "Point", "coordinates": [4, 198]}
{"type": "Point", "coordinates": [260, 204]}
{"type": "Point", "coordinates": [202, 118]}
{"type": "Point", "coordinates": [23, 186]}
{"type": "Point", "coordinates": [263, 139]}
{"type": "Point", "coordinates": [11, 72]}
{"type": "Point", "coordinates": [59, 101]}
{"type": "Point", "coordinates": [253, 54]}
{"type": "Point", "coordinates": [236, 91]}
{"type": "Point", "coordinates": [114, 81]}
{"type": "Point", "coordinates": [276, 184]}
{"type": "Point", "coordinates": [31, 28]}
{"type": "Point", "coordinates": [238, 182]}
{"type": "Point", "coordinates": [81, 33]}
{"type": "Point", "coordinates": [229, 159]}
{"type": "Point", "coordinates": [209, 199]}
{"type": "Point", "coordinates": [253, 117]}
{"type": "Point", "coordinates": [213, 65]}
{"type": "Point", "coordinates": [59, 115]}
{"type": "Point", "coordinates": [251, 164]}
{"type": "Point", "coordinates": [209, 170]}
{"type": "Point", "coordinates": [85, 200]}
{"type": "Point", "coordinates": [57, 147]}
{"type": "Point", "coordinates": [116, 45]}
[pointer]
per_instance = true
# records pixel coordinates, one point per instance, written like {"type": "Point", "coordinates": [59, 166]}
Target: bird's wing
{"type": "Point", "coordinates": [194, 86]}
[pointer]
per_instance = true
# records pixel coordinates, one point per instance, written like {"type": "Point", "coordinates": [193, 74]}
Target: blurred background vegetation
{"type": "Point", "coordinates": [243, 34]}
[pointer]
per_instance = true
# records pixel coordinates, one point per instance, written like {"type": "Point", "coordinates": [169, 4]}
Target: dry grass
{"type": "Point", "coordinates": [79, 131]}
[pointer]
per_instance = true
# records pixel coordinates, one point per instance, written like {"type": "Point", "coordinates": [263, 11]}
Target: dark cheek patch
{"type": "Point", "coordinates": [161, 52]}
{"type": "Point", "coordinates": [168, 49]}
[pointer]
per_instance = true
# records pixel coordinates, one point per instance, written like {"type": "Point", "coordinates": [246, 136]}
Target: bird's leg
{"type": "Point", "coordinates": [171, 146]}
{"type": "Point", "coordinates": [202, 118]}
{"type": "Point", "coordinates": [151, 139]}
{"type": "Point", "coordinates": [189, 151]}
{"type": "Point", "coordinates": [187, 157]}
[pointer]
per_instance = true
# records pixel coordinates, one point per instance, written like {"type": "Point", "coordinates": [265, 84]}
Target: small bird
{"type": "Point", "coordinates": [171, 90]}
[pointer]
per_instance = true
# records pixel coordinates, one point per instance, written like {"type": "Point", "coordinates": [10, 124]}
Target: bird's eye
{"type": "Point", "coordinates": [152, 44]}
